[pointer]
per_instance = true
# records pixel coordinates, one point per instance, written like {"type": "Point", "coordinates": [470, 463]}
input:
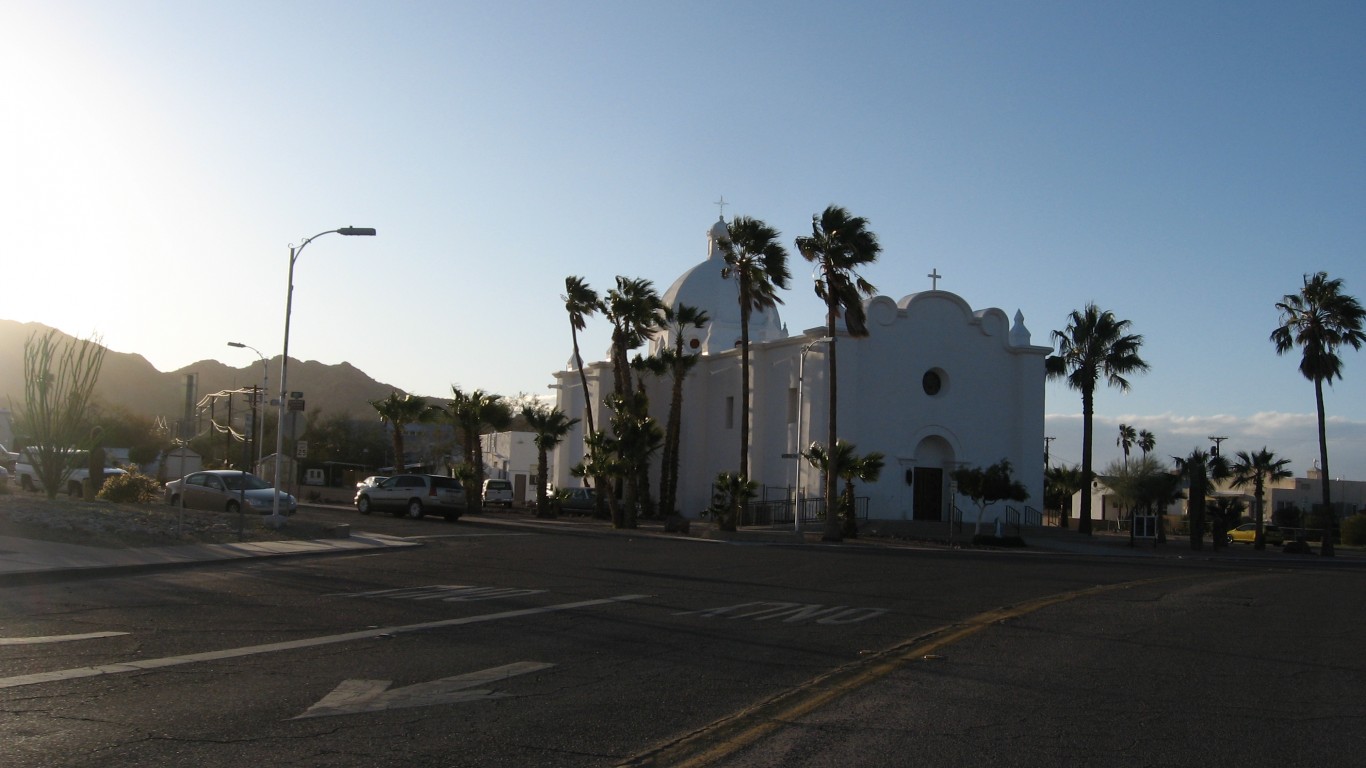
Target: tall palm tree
{"type": "Point", "coordinates": [471, 412]}
{"type": "Point", "coordinates": [1199, 468]}
{"type": "Point", "coordinates": [1321, 320]}
{"type": "Point", "coordinates": [839, 245]}
{"type": "Point", "coordinates": [1094, 344]}
{"type": "Point", "coordinates": [680, 363]}
{"type": "Point", "coordinates": [550, 425]}
{"type": "Point", "coordinates": [633, 307]}
{"type": "Point", "coordinates": [1258, 469]}
{"type": "Point", "coordinates": [1127, 437]}
{"type": "Point", "coordinates": [1146, 442]}
{"type": "Point", "coordinates": [398, 411]}
{"type": "Point", "coordinates": [581, 302]}
{"type": "Point", "coordinates": [758, 264]}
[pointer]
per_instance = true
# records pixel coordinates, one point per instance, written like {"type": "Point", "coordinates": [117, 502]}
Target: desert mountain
{"type": "Point", "coordinates": [130, 381]}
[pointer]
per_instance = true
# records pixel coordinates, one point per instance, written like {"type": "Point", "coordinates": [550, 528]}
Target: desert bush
{"type": "Point", "coordinates": [1354, 530]}
{"type": "Point", "coordinates": [132, 488]}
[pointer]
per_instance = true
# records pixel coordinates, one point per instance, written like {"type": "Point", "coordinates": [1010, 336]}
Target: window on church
{"type": "Point", "coordinates": [730, 412]}
{"type": "Point", "coordinates": [932, 382]}
{"type": "Point", "coordinates": [792, 405]}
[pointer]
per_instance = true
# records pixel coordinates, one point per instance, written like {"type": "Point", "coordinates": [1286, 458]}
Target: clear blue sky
{"type": "Point", "coordinates": [1180, 163]}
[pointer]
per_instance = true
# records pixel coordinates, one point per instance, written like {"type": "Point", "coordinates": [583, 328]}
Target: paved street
{"type": "Point", "coordinates": [493, 645]}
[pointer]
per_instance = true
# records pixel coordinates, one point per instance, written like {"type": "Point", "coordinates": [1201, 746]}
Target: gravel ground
{"type": "Point", "coordinates": [104, 524]}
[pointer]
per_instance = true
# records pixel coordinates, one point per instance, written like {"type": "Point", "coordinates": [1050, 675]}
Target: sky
{"type": "Point", "coordinates": [1182, 164]}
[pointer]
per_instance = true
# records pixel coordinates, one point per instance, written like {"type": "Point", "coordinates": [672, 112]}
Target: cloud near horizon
{"type": "Point", "coordinates": [1288, 435]}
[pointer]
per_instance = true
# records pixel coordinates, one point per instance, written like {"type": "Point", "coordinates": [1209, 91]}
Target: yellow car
{"type": "Point", "coordinates": [1247, 534]}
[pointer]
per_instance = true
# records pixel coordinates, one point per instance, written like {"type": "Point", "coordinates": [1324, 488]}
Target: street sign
{"type": "Point", "coordinates": [301, 449]}
{"type": "Point", "coordinates": [296, 405]}
{"type": "Point", "coordinates": [296, 395]}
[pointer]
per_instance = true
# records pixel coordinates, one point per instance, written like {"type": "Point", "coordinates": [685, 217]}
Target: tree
{"type": "Point", "coordinates": [839, 245]}
{"type": "Point", "coordinates": [398, 411]}
{"type": "Point", "coordinates": [1198, 469]}
{"type": "Point", "coordinates": [758, 264]}
{"type": "Point", "coordinates": [847, 465]}
{"type": "Point", "coordinates": [1094, 344]}
{"type": "Point", "coordinates": [1146, 442]}
{"type": "Point", "coordinates": [988, 486]}
{"type": "Point", "coordinates": [1258, 469]}
{"type": "Point", "coordinates": [53, 419]}
{"type": "Point", "coordinates": [471, 412]}
{"type": "Point", "coordinates": [633, 307]}
{"type": "Point", "coordinates": [680, 363]}
{"type": "Point", "coordinates": [1127, 437]}
{"type": "Point", "coordinates": [1144, 485]}
{"type": "Point", "coordinates": [581, 302]}
{"type": "Point", "coordinates": [1321, 320]}
{"type": "Point", "coordinates": [1059, 484]}
{"type": "Point", "coordinates": [550, 425]}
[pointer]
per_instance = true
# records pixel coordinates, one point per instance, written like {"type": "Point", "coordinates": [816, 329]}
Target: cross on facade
{"type": "Point", "coordinates": [722, 205]}
{"type": "Point", "coordinates": [934, 279]}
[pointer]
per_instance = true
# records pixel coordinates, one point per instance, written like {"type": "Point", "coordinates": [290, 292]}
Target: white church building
{"type": "Point", "coordinates": [935, 386]}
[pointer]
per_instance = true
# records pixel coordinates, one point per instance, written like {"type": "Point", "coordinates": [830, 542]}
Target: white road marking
{"type": "Point", "coordinates": [56, 638]}
{"type": "Point", "coordinates": [790, 613]}
{"type": "Point", "coordinates": [292, 645]}
{"type": "Point", "coordinates": [355, 696]}
{"type": "Point", "coordinates": [445, 592]}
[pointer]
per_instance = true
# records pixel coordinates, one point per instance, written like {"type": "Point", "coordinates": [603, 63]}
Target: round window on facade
{"type": "Point", "coordinates": [694, 343]}
{"type": "Point", "coordinates": [933, 382]}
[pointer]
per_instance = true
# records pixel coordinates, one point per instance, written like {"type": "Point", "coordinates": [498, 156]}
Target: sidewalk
{"type": "Point", "coordinates": [29, 559]}
{"type": "Point", "coordinates": [22, 559]}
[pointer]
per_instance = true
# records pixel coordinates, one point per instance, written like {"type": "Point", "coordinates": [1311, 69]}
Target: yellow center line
{"type": "Point", "coordinates": [734, 732]}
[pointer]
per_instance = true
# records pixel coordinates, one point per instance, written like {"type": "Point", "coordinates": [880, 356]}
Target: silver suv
{"type": "Point", "coordinates": [413, 495]}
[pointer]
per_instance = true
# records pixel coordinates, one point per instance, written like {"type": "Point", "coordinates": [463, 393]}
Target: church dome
{"type": "Point", "coordinates": [704, 287]}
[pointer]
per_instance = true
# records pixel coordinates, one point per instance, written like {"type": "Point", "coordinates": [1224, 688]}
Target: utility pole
{"type": "Point", "coordinates": [1217, 441]}
{"type": "Point", "coordinates": [1047, 445]}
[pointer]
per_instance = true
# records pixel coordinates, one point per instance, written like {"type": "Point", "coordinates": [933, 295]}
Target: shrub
{"type": "Point", "coordinates": [1354, 530]}
{"type": "Point", "coordinates": [132, 488]}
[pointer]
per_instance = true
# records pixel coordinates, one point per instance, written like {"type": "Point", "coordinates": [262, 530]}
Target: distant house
{"type": "Point", "coordinates": [174, 463]}
{"type": "Point", "coordinates": [512, 456]}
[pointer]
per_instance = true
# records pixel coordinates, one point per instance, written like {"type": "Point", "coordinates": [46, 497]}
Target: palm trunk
{"type": "Point", "coordinates": [832, 523]}
{"type": "Point", "coordinates": [1327, 517]}
{"type": "Point", "coordinates": [1259, 541]}
{"type": "Point", "coordinates": [1087, 410]}
{"type": "Point", "coordinates": [542, 466]}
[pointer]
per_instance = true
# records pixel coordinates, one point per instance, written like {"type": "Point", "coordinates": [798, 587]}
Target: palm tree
{"type": "Point", "coordinates": [1059, 484]}
{"type": "Point", "coordinates": [398, 411]}
{"type": "Point", "coordinates": [550, 425]}
{"type": "Point", "coordinates": [1258, 469]}
{"type": "Point", "coordinates": [1127, 437]}
{"type": "Point", "coordinates": [845, 464]}
{"type": "Point", "coordinates": [1146, 442]}
{"type": "Point", "coordinates": [758, 264]}
{"type": "Point", "coordinates": [1321, 319]}
{"type": "Point", "coordinates": [471, 412]}
{"type": "Point", "coordinates": [581, 302]}
{"type": "Point", "coordinates": [1093, 345]}
{"type": "Point", "coordinates": [1199, 468]}
{"type": "Point", "coordinates": [680, 363]}
{"type": "Point", "coordinates": [839, 245]}
{"type": "Point", "coordinates": [633, 307]}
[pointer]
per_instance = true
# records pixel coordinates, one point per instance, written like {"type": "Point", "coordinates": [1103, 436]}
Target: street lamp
{"type": "Point", "coordinates": [801, 376]}
{"type": "Point", "coordinates": [265, 387]}
{"type": "Point", "coordinates": [275, 519]}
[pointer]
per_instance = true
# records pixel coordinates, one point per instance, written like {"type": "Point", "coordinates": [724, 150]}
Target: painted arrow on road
{"type": "Point", "coordinates": [356, 696]}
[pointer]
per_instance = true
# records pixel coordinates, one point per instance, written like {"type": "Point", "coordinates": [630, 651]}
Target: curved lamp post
{"type": "Point", "coordinates": [258, 413]}
{"type": "Point", "coordinates": [275, 518]}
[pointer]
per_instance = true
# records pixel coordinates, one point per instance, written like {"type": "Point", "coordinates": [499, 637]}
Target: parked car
{"type": "Point", "coordinates": [224, 490]}
{"type": "Point", "coordinates": [1247, 534]}
{"type": "Point", "coordinates": [578, 501]}
{"type": "Point", "coordinates": [370, 481]}
{"type": "Point", "coordinates": [8, 458]}
{"type": "Point", "coordinates": [413, 495]}
{"type": "Point", "coordinates": [26, 471]}
{"type": "Point", "coordinates": [498, 492]}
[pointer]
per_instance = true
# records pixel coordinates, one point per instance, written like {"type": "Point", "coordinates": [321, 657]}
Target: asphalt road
{"type": "Point", "coordinates": [493, 646]}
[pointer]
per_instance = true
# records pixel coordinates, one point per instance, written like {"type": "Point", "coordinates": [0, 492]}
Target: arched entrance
{"type": "Point", "coordinates": [929, 481]}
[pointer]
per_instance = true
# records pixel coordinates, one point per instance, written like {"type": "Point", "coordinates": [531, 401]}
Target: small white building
{"type": "Point", "coordinates": [512, 456]}
{"type": "Point", "coordinates": [936, 386]}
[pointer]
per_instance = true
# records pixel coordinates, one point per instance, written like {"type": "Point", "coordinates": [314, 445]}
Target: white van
{"type": "Point", "coordinates": [498, 492]}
